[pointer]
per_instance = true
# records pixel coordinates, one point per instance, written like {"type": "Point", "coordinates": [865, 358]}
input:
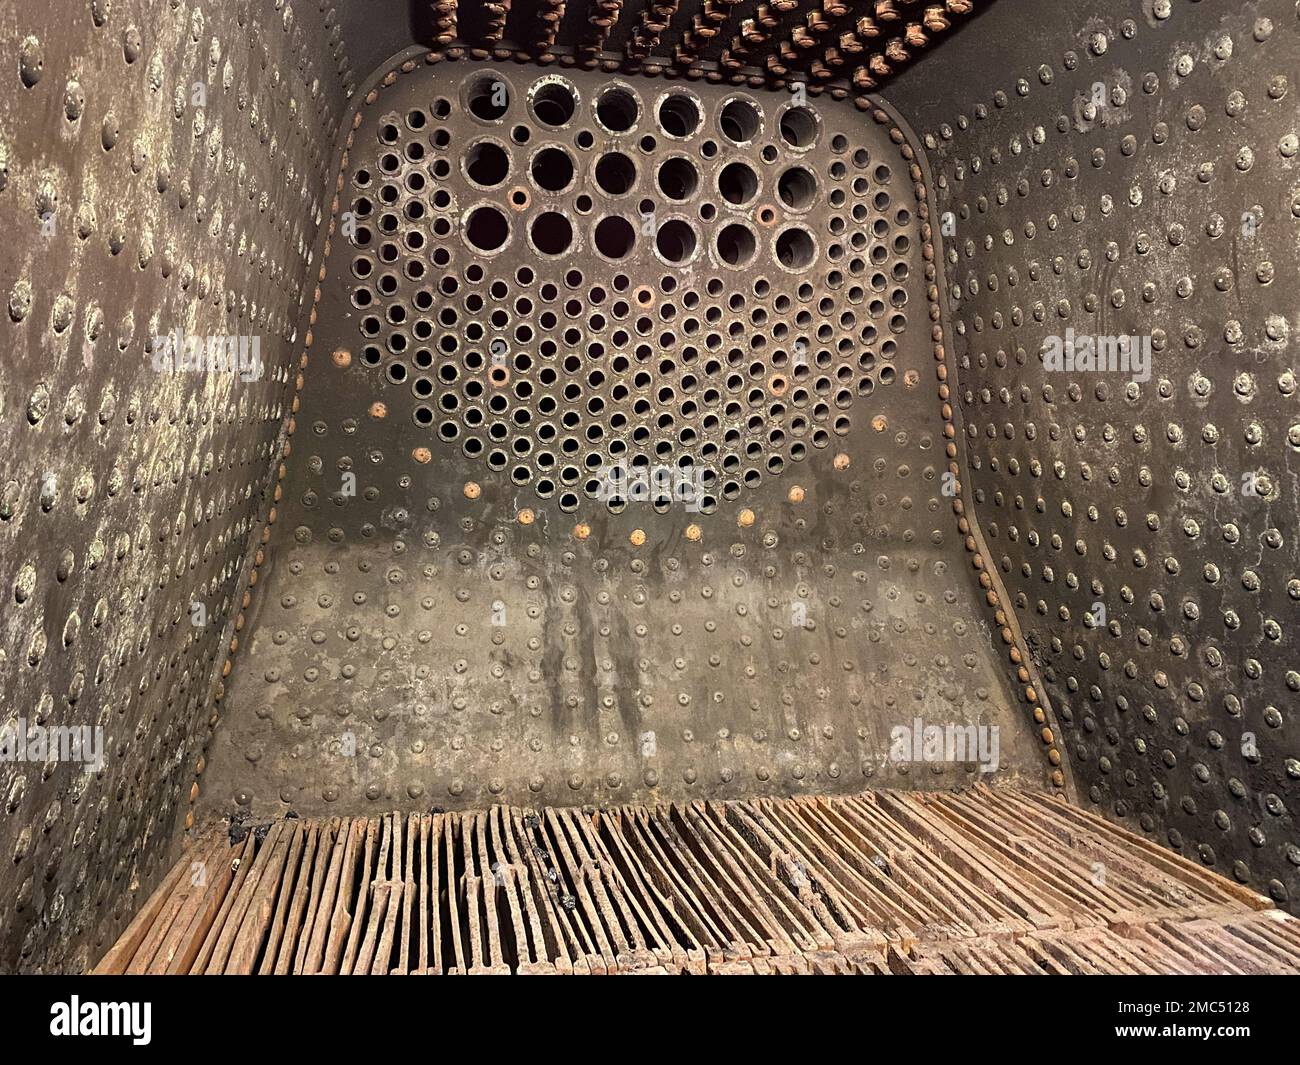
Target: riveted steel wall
{"type": "Point", "coordinates": [162, 170]}
{"type": "Point", "coordinates": [1134, 173]}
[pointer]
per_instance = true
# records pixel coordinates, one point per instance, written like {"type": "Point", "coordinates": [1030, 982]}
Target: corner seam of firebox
{"type": "Point", "coordinates": [384, 75]}
{"type": "Point", "coordinates": [1027, 677]}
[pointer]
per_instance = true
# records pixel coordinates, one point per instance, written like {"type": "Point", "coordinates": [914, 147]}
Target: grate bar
{"type": "Point", "coordinates": [989, 880]}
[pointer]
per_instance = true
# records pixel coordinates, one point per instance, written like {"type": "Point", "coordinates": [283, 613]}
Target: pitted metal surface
{"type": "Point", "coordinates": [456, 612]}
{"type": "Point", "coordinates": [161, 167]}
{"type": "Point", "coordinates": [1138, 176]}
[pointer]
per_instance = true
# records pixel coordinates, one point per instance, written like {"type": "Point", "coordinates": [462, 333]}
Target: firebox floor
{"type": "Point", "coordinates": [989, 880]}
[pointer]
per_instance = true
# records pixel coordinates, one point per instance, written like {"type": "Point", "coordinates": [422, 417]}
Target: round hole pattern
{"type": "Point", "coordinates": [669, 300]}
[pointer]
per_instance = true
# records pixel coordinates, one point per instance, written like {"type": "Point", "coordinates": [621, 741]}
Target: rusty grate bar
{"type": "Point", "coordinates": [990, 880]}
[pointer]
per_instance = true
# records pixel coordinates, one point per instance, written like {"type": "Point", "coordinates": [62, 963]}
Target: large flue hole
{"type": "Point", "coordinates": [797, 188]}
{"type": "Point", "coordinates": [487, 164]}
{"type": "Point", "coordinates": [554, 103]}
{"type": "Point", "coordinates": [615, 237]}
{"type": "Point", "coordinates": [552, 233]}
{"type": "Point", "coordinates": [738, 183]}
{"type": "Point", "coordinates": [616, 110]}
{"type": "Point", "coordinates": [488, 98]}
{"type": "Point", "coordinates": [679, 115]}
{"type": "Point", "coordinates": [487, 228]}
{"type": "Point", "coordinates": [552, 169]}
{"type": "Point", "coordinates": [615, 173]}
{"type": "Point", "coordinates": [798, 127]}
{"type": "Point", "coordinates": [795, 248]}
{"type": "Point", "coordinates": [676, 241]}
{"type": "Point", "coordinates": [739, 121]}
{"type": "Point", "coordinates": [678, 178]}
{"type": "Point", "coordinates": [736, 244]}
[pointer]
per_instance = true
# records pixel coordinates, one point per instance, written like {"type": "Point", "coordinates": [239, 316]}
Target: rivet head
{"type": "Point", "coordinates": [472, 490]}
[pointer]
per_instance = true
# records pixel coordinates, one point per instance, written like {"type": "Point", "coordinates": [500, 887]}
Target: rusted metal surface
{"type": "Point", "coordinates": [849, 47]}
{"type": "Point", "coordinates": [992, 880]}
